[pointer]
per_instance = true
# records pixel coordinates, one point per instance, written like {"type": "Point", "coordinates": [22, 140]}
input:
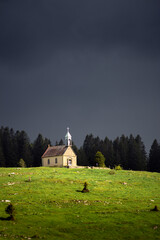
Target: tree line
{"type": "Point", "coordinates": [128, 152]}
{"type": "Point", "coordinates": [15, 146]}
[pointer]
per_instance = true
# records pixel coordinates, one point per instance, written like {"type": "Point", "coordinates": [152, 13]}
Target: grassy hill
{"type": "Point", "coordinates": [49, 204]}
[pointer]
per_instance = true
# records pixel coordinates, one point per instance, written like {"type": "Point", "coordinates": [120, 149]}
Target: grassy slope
{"type": "Point", "coordinates": [50, 207]}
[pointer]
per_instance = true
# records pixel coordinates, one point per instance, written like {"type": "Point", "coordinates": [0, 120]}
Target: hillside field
{"type": "Point", "coordinates": [49, 204]}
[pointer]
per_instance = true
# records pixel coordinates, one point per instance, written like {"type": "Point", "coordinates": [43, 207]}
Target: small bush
{"type": "Point", "coordinates": [29, 179]}
{"type": "Point", "coordinates": [11, 211]}
{"type": "Point", "coordinates": [118, 167]}
{"type": "Point", "coordinates": [85, 189]}
{"type": "Point", "coordinates": [99, 159]}
{"type": "Point", "coordinates": [155, 209]}
{"type": "Point", "coordinates": [112, 172]}
{"type": "Point", "coordinates": [22, 163]}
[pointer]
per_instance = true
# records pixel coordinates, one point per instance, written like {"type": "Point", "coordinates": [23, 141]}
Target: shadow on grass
{"type": "Point", "coordinates": [6, 219]}
{"type": "Point", "coordinates": [83, 191]}
{"type": "Point", "coordinates": [78, 191]}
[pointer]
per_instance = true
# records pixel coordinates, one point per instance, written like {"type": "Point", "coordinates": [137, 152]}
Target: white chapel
{"type": "Point", "coordinates": [60, 156]}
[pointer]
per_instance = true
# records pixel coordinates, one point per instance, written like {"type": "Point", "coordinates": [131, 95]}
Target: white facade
{"type": "Point", "coordinates": [60, 156]}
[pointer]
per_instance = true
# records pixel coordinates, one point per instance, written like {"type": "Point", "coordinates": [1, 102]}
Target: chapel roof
{"type": "Point", "coordinates": [55, 151]}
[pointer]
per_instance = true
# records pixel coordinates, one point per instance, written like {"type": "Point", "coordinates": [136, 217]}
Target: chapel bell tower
{"type": "Point", "coordinates": [68, 138]}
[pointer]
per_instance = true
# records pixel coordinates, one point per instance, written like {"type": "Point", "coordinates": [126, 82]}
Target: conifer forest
{"type": "Point", "coordinates": [125, 151]}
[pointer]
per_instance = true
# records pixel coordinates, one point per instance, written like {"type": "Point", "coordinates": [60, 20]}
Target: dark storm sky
{"type": "Point", "coordinates": [92, 65]}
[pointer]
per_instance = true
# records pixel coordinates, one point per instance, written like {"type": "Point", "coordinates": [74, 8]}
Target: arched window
{"type": "Point", "coordinates": [56, 161]}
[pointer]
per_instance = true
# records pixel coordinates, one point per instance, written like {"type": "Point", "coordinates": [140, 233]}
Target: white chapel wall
{"type": "Point", "coordinates": [56, 161]}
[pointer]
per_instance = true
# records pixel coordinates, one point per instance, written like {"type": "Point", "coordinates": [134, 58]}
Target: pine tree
{"type": "Point", "coordinates": [154, 157]}
{"type": "Point", "coordinates": [2, 158]}
{"type": "Point", "coordinates": [39, 147]}
{"type": "Point", "coordinates": [141, 154]}
{"type": "Point", "coordinates": [9, 147]}
{"type": "Point", "coordinates": [132, 153]}
{"type": "Point", "coordinates": [108, 152]}
{"type": "Point", "coordinates": [61, 142]}
{"type": "Point", "coordinates": [117, 157]}
{"type": "Point", "coordinates": [88, 149]}
{"type": "Point", "coordinates": [24, 148]}
{"type": "Point", "coordinates": [123, 150]}
{"type": "Point", "coordinates": [136, 154]}
{"type": "Point", "coordinates": [82, 159]}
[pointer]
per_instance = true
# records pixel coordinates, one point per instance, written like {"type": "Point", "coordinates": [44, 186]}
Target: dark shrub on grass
{"type": "Point", "coordinates": [85, 189]}
{"type": "Point", "coordinates": [118, 167]}
{"type": "Point", "coordinates": [155, 209]}
{"type": "Point", "coordinates": [112, 172]}
{"type": "Point", "coordinates": [11, 211]}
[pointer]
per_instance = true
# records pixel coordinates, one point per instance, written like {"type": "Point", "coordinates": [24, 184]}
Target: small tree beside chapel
{"type": "Point", "coordinates": [99, 159]}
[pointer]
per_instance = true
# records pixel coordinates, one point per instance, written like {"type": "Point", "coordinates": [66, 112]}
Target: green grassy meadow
{"type": "Point", "coordinates": [51, 206]}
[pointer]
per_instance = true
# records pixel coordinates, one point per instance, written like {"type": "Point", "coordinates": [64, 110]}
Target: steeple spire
{"type": "Point", "coordinates": [68, 138]}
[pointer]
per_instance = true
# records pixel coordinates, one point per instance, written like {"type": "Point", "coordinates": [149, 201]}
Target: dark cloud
{"type": "Point", "coordinates": [36, 28]}
{"type": "Point", "coordinates": [92, 65]}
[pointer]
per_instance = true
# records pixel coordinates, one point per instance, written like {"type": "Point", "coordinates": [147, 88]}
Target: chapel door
{"type": "Point", "coordinates": [69, 162]}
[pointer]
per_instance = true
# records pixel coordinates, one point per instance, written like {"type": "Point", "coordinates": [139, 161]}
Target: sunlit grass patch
{"type": "Point", "coordinates": [51, 205]}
